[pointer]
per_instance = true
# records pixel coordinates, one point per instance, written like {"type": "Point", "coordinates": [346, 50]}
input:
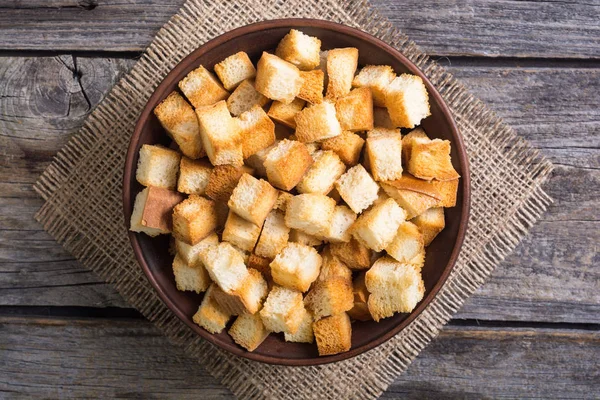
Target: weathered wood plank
{"type": "Point", "coordinates": [68, 358]}
{"type": "Point", "coordinates": [543, 29]}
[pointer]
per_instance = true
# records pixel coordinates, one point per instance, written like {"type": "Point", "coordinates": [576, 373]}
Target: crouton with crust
{"type": "Point", "coordinates": [431, 160]}
{"type": "Point", "coordinates": [194, 219]}
{"type": "Point", "coordinates": [407, 101]}
{"type": "Point", "coordinates": [210, 315]}
{"type": "Point", "coordinates": [341, 66]}
{"type": "Point", "coordinates": [376, 78]}
{"type": "Point", "coordinates": [235, 69]}
{"type": "Point", "coordinates": [407, 243]}
{"type": "Point", "coordinates": [321, 176]}
{"type": "Point", "coordinates": [286, 163]}
{"type": "Point", "coordinates": [223, 179]}
{"type": "Point", "coordinates": [201, 88]}
{"type": "Point", "coordinates": [354, 111]}
{"type": "Point", "coordinates": [248, 331]}
{"type": "Point", "coordinates": [296, 267]}
{"type": "Point", "coordinates": [157, 166]}
{"type": "Point", "coordinates": [377, 227]}
{"type": "Point", "coordinates": [317, 122]}
{"type": "Point", "coordinates": [221, 135]}
{"type": "Point", "coordinates": [333, 334]}
{"type": "Point", "coordinates": [258, 131]}
{"type": "Point", "coordinates": [357, 188]}
{"type": "Point", "coordinates": [153, 211]}
{"type": "Point", "coordinates": [244, 97]}
{"type": "Point", "coordinates": [277, 79]}
{"type": "Point", "coordinates": [311, 213]}
{"type": "Point", "coordinates": [330, 296]}
{"type": "Point", "coordinates": [283, 311]}
{"type": "Point", "coordinates": [241, 233]}
{"type": "Point", "coordinates": [347, 146]}
{"type": "Point", "coordinates": [300, 49]}
{"type": "Point", "coordinates": [353, 253]}
{"type": "Point", "coordinates": [253, 199]}
{"type": "Point", "coordinates": [312, 86]}
{"type": "Point", "coordinates": [193, 176]}
{"type": "Point", "coordinates": [285, 113]}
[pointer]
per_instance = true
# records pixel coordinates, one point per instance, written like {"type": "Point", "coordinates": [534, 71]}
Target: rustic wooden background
{"type": "Point", "coordinates": [533, 330]}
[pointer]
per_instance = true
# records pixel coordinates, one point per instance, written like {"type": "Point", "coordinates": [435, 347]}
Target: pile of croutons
{"type": "Point", "coordinates": [295, 202]}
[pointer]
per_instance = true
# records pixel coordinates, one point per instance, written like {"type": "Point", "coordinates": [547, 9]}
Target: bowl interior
{"type": "Point", "coordinates": [153, 253]}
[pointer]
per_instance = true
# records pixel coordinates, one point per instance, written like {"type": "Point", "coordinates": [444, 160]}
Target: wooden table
{"type": "Point", "coordinates": [531, 331]}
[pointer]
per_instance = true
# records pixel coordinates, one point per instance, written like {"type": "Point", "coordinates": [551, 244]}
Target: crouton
{"type": "Point", "coordinates": [194, 219]}
{"type": "Point", "coordinates": [409, 182]}
{"type": "Point", "coordinates": [274, 235]}
{"type": "Point", "coordinates": [248, 331]}
{"type": "Point", "coordinates": [221, 135]}
{"type": "Point", "coordinates": [430, 223]}
{"type": "Point", "coordinates": [283, 311]}
{"type": "Point", "coordinates": [304, 334]}
{"type": "Point", "coordinates": [225, 266]}
{"type": "Point", "coordinates": [447, 192]}
{"type": "Point", "coordinates": [210, 315]}
{"type": "Point", "coordinates": [312, 86]}
{"type": "Point", "coordinates": [257, 160]}
{"type": "Point", "coordinates": [385, 156]}
{"type": "Point", "coordinates": [240, 232]}
{"type": "Point", "coordinates": [354, 111]}
{"type": "Point", "coordinates": [193, 176]}
{"type": "Point", "coordinates": [381, 118]}
{"type": "Point", "coordinates": [414, 203]}
{"type": "Point", "coordinates": [376, 78]}
{"type": "Point", "coordinates": [339, 228]}
{"type": "Point", "coordinates": [353, 253]}
{"type": "Point", "coordinates": [190, 277]}
{"type": "Point", "coordinates": [286, 163]}
{"type": "Point", "coordinates": [376, 228]}
{"type": "Point", "coordinates": [300, 49]}
{"type": "Point", "coordinates": [407, 243]}
{"type": "Point", "coordinates": [252, 199]}
{"type": "Point", "coordinates": [179, 120]}
{"type": "Point", "coordinates": [357, 188]}
{"type": "Point", "coordinates": [432, 160]}
{"type": "Point", "coordinates": [191, 254]}
{"type": "Point", "coordinates": [201, 88]}
{"type": "Point", "coordinates": [333, 267]}
{"type": "Point", "coordinates": [153, 210]}
{"type": "Point", "coordinates": [296, 267]}
{"type": "Point", "coordinates": [341, 66]}
{"type": "Point", "coordinates": [235, 69]}
{"type": "Point", "coordinates": [157, 166]}
{"type": "Point", "coordinates": [261, 264]}
{"type": "Point", "coordinates": [347, 146]}
{"type": "Point", "coordinates": [244, 97]}
{"type": "Point", "coordinates": [407, 101]}
{"type": "Point", "coordinates": [247, 298]}
{"type": "Point", "coordinates": [380, 131]}
{"type": "Point", "coordinates": [417, 135]}
{"type": "Point", "coordinates": [321, 176]}
{"type": "Point", "coordinates": [285, 113]}
{"type": "Point", "coordinates": [317, 122]}
{"type": "Point", "coordinates": [223, 179]}
{"type": "Point", "coordinates": [258, 131]}
{"type": "Point", "coordinates": [360, 310]}
{"type": "Point", "coordinates": [282, 200]}
{"type": "Point", "coordinates": [310, 213]}
{"type": "Point", "coordinates": [277, 79]}
{"type": "Point", "coordinates": [394, 287]}
{"type": "Point", "coordinates": [329, 297]}
{"type": "Point", "coordinates": [333, 334]}
{"type": "Point", "coordinates": [297, 236]}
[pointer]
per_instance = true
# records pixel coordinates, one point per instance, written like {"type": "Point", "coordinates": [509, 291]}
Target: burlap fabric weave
{"type": "Point", "coordinates": [83, 210]}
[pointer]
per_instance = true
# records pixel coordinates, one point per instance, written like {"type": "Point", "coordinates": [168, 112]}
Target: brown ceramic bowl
{"type": "Point", "coordinates": [152, 253]}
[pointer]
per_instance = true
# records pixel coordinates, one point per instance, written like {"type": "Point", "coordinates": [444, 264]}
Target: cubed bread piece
{"type": "Point", "coordinates": [447, 191]}
{"type": "Point", "coordinates": [157, 166]}
{"type": "Point", "coordinates": [179, 120]}
{"type": "Point", "coordinates": [191, 254]}
{"type": "Point", "coordinates": [312, 86]}
{"type": "Point", "coordinates": [333, 334]}
{"type": "Point", "coordinates": [417, 135]}
{"type": "Point", "coordinates": [394, 287]}
{"type": "Point", "coordinates": [360, 310]}
{"type": "Point", "coordinates": [353, 253]}
{"type": "Point", "coordinates": [210, 315]}
{"type": "Point", "coordinates": [258, 131]}
{"type": "Point", "coordinates": [341, 66]}
{"type": "Point", "coordinates": [329, 297]}
{"type": "Point", "coordinates": [153, 211]}
{"type": "Point", "coordinates": [332, 267]}
{"type": "Point", "coordinates": [321, 176]}
{"type": "Point", "coordinates": [202, 88]}
{"type": "Point", "coordinates": [257, 160]}
{"type": "Point", "coordinates": [274, 235]}
{"type": "Point", "coordinates": [380, 131]}
{"type": "Point", "coordinates": [285, 113]}
{"type": "Point", "coordinates": [190, 277]}
{"type": "Point", "coordinates": [354, 111]}
{"type": "Point", "coordinates": [244, 97]}
{"type": "Point", "coordinates": [347, 146]}
{"type": "Point", "coordinates": [381, 118]}
{"type": "Point", "coordinates": [304, 334]}
{"type": "Point", "coordinates": [223, 179]}
{"type": "Point", "coordinates": [430, 223]}
{"type": "Point", "coordinates": [194, 219]}
{"type": "Point", "coordinates": [248, 331]}
{"type": "Point", "coordinates": [286, 163]}
{"type": "Point", "coordinates": [240, 232]}
{"type": "Point", "coordinates": [431, 160]}
{"type": "Point", "coordinates": [261, 264]}
{"type": "Point", "coordinates": [300, 49]}
{"type": "Point", "coordinates": [247, 298]}
{"type": "Point", "coordinates": [282, 200]}
{"type": "Point", "coordinates": [296, 267]}
{"type": "Point", "coordinates": [357, 188]}
{"type": "Point", "coordinates": [193, 176]}
{"type": "Point", "coordinates": [407, 101]}
{"type": "Point", "coordinates": [409, 182]}
{"type": "Point", "coordinates": [414, 203]}
{"type": "Point", "coordinates": [297, 236]}
{"type": "Point", "coordinates": [376, 78]}
{"type": "Point", "coordinates": [225, 266]}
{"type": "Point", "coordinates": [407, 243]}
{"type": "Point", "coordinates": [277, 79]}
{"type": "Point", "coordinates": [235, 69]}
{"type": "Point", "coordinates": [339, 228]}
{"type": "Point", "coordinates": [376, 228]}
{"type": "Point", "coordinates": [283, 310]}
{"type": "Point", "coordinates": [317, 122]}
{"type": "Point", "coordinates": [221, 135]}
{"type": "Point", "coordinates": [310, 213]}
{"type": "Point", "coordinates": [253, 199]}
{"type": "Point", "coordinates": [385, 156]}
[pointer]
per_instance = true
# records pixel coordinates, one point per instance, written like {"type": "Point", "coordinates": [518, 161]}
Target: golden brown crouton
{"type": "Point", "coordinates": [407, 243]}
{"type": "Point", "coordinates": [321, 176]}
{"type": "Point", "coordinates": [286, 163]}
{"type": "Point", "coordinates": [341, 66]}
{"type": "Point", "coordinates": [240, 233]}
{"type": "Point", "coordinates": [430, 223]}
{"type": "Point", "coordinates": [157, 166]}
{"type": "Point", "coordinates": [253, 199]}
{"type": "Point", "coordinates": [414, 203]}
{"type": "Point", "coordinates": [300, 49]}
{"type": "Point", "coordinates": [283, 310]}
{"type": "Point", "coordinates": [210, 315]}
{"type": "Point", "coordinates": [317, 122]}
{"type": "Point", "coordinates": [258, 131]}
{"type": "Point", "coordinates": [360, 310]}
{"type": "Point", "coordinates": [274, 235]}
{"type": "Point", "coordinates": [222, 180]}
{"type": "Point", "coordinates": [296, 267]}
{"type": "Point", "coordinates": [329, 297]}
{"type": "Point", "coordinates": [190, 277]}
{"type": "Point", "coordinates": [354, 111]}
{"type": "Point", "coordinates": [244, 97]}
{"type": "Point", "coordinates": [407, 101]}
{"type": "Point", "coordinates": [431, 160]}
{"type": "Point", "coordinates": [376, 78]}
{"type": "Point", "coordinates": [376, 228]}
{"type": "Point", "coordinates": [285, 113]}
{"type": "Point", "coordinates": [193, 175]}
{"type": "Point", "coordinates": [384, 152]}
{"type": "Point", "coordinates": [357, 188]}
{"type": "Point", "coordinates": [312, 86]}
{"type": "Point", "coordinates": [447, 191]}
{"type": "Point", "coordinates": [201, 88]}
{"type": "Point", "coordinates": [277, 79]}
{"type": "Point", "coordinates": [381, 118]}
{"type": "Point", "coordinates": [354, 254]}
{"type": "Point", "coordinates": [333, 334]}
{"type": "Point", "coordinates": [347, 146]}
{"type": "Point", "coordinates": [221, 135]}
{"type": "Point", "coordinates": [194, 219]}
{"type": "Point", "coordinates": [248, 331]}
{"type": "Point", "coordinates": [235, 69]}
{"type": "Point", "coordinates": [311, 213]}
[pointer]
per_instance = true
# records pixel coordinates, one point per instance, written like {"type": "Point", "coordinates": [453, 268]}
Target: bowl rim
{"type": "Point", "coordinates": [344, 30]}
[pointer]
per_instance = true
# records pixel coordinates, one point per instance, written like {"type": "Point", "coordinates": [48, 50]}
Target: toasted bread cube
{"type": "Point", "coordinates": [385, 156]}
{"type": "Point", "coordinates": [414, 203]}
{"type": "Point", "coordinates": [310, 213]}
{"type": "Point", "coordinates": [258, 131]}
{"type": "Point", "coordinates": [221, 135]}
{"type": "Point", "coordinates": [261, 264]}
{"type": "Point", "coordinates": [193, 176]}
{"type": "Point", "coordinates": [223, 179]}
{"type": "Point", "coordinates": [394, 287]}
{"type": "Point", "coordinates": [447, 191]}
{"type": "Point", "coordinates": [376, 78]}
{"type": "Point", "coordinates": [157, 166]}
{"type": "Point", "coordinates": [329, 297]}
{"type": "Point", "coordinates": [285, 113]}
{"type": "Point", "coordinates": [360, 310]}
{"type": "Point", "coordinates": [244, 97]}
{"type": "Point", "coordinates": [297, 236]}
{"type": "Point", "coordinates": [332, 267]}
{"type": "Point", "coordinates": [286, 163]}
{"type": "Point", "coordinates": [432, 160]}
{"type": "Point", "coordinates": [225, 266]}
{"type": "Point", "coordinates": [247, 298]}
{"type": "Point", "coordinates": [194, 219]}
{"type": "Point", "coordinates": [191, 254]}
{"type": "Point", "coordinates": [304, 334]}
{"type": "Point", "coordinates": [274, 235]}
{"type": "Point", "coordinates": [201, 88]}
{"type": "Point", "coordinates": [283, 310]}
{"type": "Point", "coordinates": [240, 232]}
{"type": "Point", "coordinates": [407, 243]}
{"type": "Point", "coordinates": [415, 136]}
{"type": "Point", "coordinates": [380, 131]}
{"type": "Point", "coordinates": [376, 228]}
{"type": "Point", "coordinates": [257, 160]}
{"type": "Point", "coordinates": [253, 199]}
{"type": "Point", "coordinates": [430, 223]}
{"type": "Point", "coordinates": [407, 101]}
{"type": "Point", "coordinates": [277, 79]}
{"type": "Point", "coordinates": [282, 200]}
{"type": "Point", "coordinates": [210, 315]}
{"type": "Point", "coordinates": [353, 253]}
{"type": "Point", "coordinates": [357, 188]}
{"type": "Point", "coordinates": [339, 228]}
{"type": "Point", "coordinates": [347, 146]}
{"type": "Point", "coordinates": [341, 66]}
{"type": "Point", "coordinates": [248, 331]}
{"type": "Point", "coordinates": [179, 120]}
{"type": "Point", "coordinates": [312, 86]}
{"type": "Point", "coordinates": [333, 334]}
{"type": "Point", "coordinates": [235, 69]}
{"type": "Point", "coordinates": [317, 122]}
{"type": "Point", "coordinates": [296, 267]}
{"type": "Point", "coordinates": [321, 176]}
{"type": "Point", "coordinates": [190, 277]}
{"type": "Point", "coordinates": [300, 49]}
{"type": "Point", "coordinates": [153, 210]}
{"type": "Point", "coordinates": [409, 182]}
{"type": "Point", "coordinates": [354, 111]}
{"type": "Point", "coordinates": [381, 118]}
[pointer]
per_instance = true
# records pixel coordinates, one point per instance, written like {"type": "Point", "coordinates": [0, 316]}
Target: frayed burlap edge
{"type": "Point", "coordinates": [506, 175]}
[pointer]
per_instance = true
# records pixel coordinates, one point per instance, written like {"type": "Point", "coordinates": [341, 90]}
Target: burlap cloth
{"type": "Point", "coordinates": [83, 209]}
